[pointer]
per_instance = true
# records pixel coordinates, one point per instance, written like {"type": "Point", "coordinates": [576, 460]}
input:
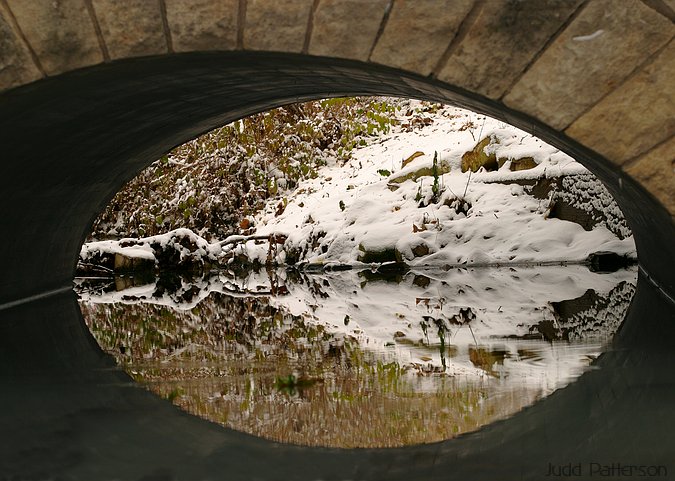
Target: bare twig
{"type": "Point", "coordinates": [237, 239]}
{"type": "Point", "coordinates": [467, 184]}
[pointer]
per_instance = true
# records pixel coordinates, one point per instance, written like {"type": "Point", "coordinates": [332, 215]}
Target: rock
{"type": "Point", "coordinates": [426, 171]}
{"type": "Point", "coordinates": [421, 281]}
{"type": "Point", "coordinates": [16, 67]}
{"type": "Point", "coordinates": [655, 171]}
{"type": "Point", "coordinates": [564, 211]}
{"type": "Point", "coordinates": [64, 27]}
{"type": "Point", "coordinates": [524, 163]}
{"type": "Point", "coordinates": [501, 42]}
{"type": "Point", "coordinates": [394, 272]}
{"type": "Point", "coordinates": [199, 25]}
{"type": "Point", "coordinates": [549, 331]}
{"type": "Point", "coordinates": [289, 18]}
{"type": "Point", "coordinates": [124, 263]}
{"type": "Point", "coordinates": [607, 262]}
{"type": "Point", "coordinates": [579, 198]}
{"type": "Point", "coordinates": [132, 28]}
{"type": "Point", "coordinates": [417, 32]}
{"type": "Point", "coordinates": [486, 359]}
{"type": "Point", "coordinates": [477, 158]}
{"type": "Point", "coordinates": [339, 267]}
{"type": "Point", "coordinates": [134, 280]}
{"type": "Point", "coordinates": [378, 256]}
{"type": "Point", "coordinates": [337, 32]}
{"type": "Point", "coordinates": [557, 93]}
{"type": "Point", "coordinates": [420, 250]}
{"type": "Point", "coordinates": [406, 161]}
{"type": "Point", "coordinates": [122, 283]}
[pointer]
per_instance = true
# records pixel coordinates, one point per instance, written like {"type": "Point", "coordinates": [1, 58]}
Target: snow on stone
{"type": "Point", "coordinates": [187, 244]}
{"type": "Point", "coordinates": [113, 247]}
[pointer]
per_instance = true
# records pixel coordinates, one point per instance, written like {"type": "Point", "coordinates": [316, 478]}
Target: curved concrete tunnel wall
{"type": "Point", "coordinates": [70, 141]}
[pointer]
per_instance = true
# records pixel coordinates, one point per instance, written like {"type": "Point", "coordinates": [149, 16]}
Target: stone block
{"type": "Point", "coordinates": [16, 65]}
{"type": "Point", "coordinates": [501, 43]}
{"type": "Point", "coordinates": [346, 28]}
{"type": "Point", "coordinates": [595, 53]}
{"type": "Point", "coordinates": [279, 26]}
{"type": "Point", "coordinates": [636, 116]}
{"type": "Point", "coordinates": [202, 24]}
{"type": "Point", "coordinates": [418, 33]}
{"type": "Point", "coordinates": [523, 163]}
{"type": "Point", "coordinates": [670, 4]}
{"type": "Point", "coordinates": [60, 32]}
{"type": "Point", "coordinates": [378, 255]}
{"type": "Point", "coordinates": [132, 28]}
{"type": "Point", "coordinates": [656, 172]}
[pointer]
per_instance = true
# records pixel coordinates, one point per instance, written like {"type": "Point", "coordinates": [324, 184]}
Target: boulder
{"type": "Point", "coordinates": [123, 263]}
{"type": "Point", "coordinates": [477, 157]}
{"type": "Point", "coordinates": [378, 256]}
{"type": "Point", "coordinates": [523, 163]}
{"type": "Point", "coordinates": [420, 250]}
{"type": "Point", "coordinates": [406, 161]}
{"type": "Point", "coordinates": [427, 170]}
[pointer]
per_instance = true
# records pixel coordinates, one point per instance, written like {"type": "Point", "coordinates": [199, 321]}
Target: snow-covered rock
{"type": "Point", "coordinates": [177, 249]}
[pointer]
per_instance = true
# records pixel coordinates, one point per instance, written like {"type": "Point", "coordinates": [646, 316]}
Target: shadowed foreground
{"type": "Point", "coordinates": [71, 414]}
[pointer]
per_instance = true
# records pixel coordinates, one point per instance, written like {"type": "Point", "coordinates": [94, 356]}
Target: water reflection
{"type": "Point", "coordinates": [359, 358]}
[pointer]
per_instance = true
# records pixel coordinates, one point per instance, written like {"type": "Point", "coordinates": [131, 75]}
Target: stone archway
{"type": "Point", "coordinates": [94, 123]}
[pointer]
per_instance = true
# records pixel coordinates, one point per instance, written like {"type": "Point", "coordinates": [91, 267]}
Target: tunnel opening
{"type": "Point", "coordinates": [282, 320]}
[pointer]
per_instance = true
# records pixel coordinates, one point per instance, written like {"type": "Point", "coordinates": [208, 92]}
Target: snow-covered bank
{"type": "Point", "coordinates": [387, 200]}
{"type": "Point", "coordinates": [446, 187]}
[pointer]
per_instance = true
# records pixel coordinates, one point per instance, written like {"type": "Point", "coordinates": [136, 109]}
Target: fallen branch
{"type": "Point", "coordinates": [237, 239]}
{"type": "Point", "coordinates": [94, 267]}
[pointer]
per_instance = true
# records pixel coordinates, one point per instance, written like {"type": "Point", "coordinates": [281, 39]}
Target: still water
{"type": "Point", "coordinates": [359, 359]}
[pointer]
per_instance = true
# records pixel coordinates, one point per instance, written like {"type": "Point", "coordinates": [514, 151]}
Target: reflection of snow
{"type": "Point", "coordinates": [508, 304]}
{"type": "Point", "coordinates": [478, 323]}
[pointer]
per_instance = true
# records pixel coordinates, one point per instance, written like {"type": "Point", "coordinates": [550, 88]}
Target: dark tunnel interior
{"type": "Point", "coordinates": [70, 143]}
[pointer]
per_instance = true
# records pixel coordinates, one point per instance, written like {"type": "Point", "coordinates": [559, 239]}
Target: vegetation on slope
{"type": "Point", "coordinates": [215, 183]}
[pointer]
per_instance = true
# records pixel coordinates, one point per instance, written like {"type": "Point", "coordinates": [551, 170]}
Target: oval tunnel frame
{"type": "Point", "coordinates": [70, 142]}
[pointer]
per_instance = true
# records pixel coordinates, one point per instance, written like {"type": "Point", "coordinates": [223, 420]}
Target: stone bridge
{"type": "Point", "coordinates": [92, 91]}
